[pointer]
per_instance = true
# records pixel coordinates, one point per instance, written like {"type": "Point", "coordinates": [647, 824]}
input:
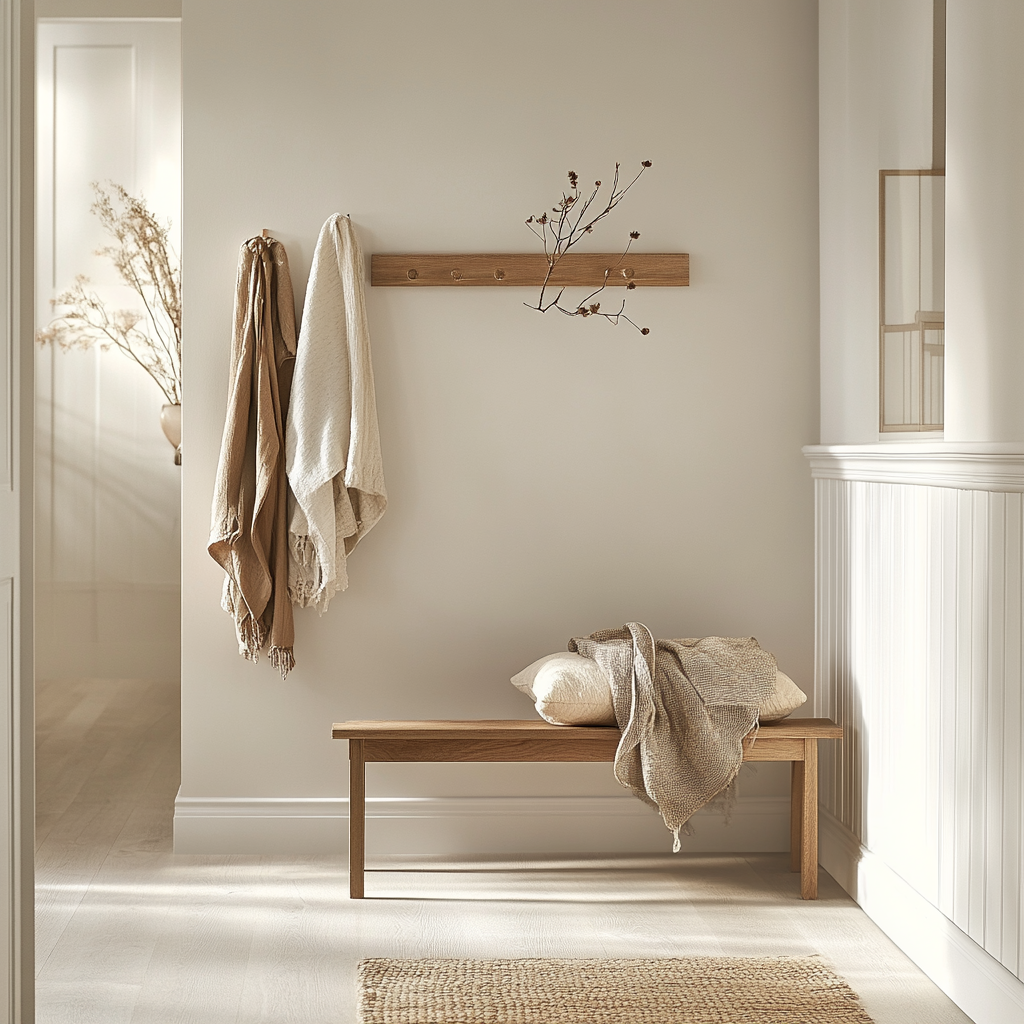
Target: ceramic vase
{"type": "Point", "coordinates": [170, 423]}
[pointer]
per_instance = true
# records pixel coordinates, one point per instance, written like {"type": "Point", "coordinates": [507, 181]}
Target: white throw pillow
{"type": "Point", "coordinates": [568, 689]}
{"type": "Point", "coordinates": [785, 699]}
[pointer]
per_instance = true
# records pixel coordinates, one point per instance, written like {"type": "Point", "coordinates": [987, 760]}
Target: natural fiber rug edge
{"type": "Point", "coordinates": [676, 990]}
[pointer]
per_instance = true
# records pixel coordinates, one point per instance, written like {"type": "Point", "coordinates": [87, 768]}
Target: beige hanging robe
{"type": "Point", "coordinates": [249, 529]}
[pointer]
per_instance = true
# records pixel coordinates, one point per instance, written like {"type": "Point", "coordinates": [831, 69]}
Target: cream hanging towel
{"type": "Point", "coordinates": [333, 444]}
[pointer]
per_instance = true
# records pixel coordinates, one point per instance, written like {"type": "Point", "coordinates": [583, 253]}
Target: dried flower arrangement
{"type": "Point", "coordinates": [146, 263]}
{"type": "Point", "coordinates": [571, 222]}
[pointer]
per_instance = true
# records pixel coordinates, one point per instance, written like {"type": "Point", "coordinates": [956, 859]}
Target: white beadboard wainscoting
{"type": "Point", "coordinates": [481, 825]}
{"type": "Point", "coordinates": [920, 625]}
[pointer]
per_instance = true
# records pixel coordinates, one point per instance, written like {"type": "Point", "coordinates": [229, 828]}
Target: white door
{"type": "Point", "coordinates": [107, 489]}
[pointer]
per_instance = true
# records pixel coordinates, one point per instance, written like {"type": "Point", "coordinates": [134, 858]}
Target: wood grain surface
{"type": "Point", "coordinates": [599, 746]}
{"type": "Point", "coordinates": [356, 816]}
{"type": "Point", "coordinates": [527, 270]}
{"type": "Point", "coordinates": [809, 823]}
{"type": "Point", "coordinates": [796, 813]}
{"type": "Point", "coordinates": [537, 728]}
{"type": "Point", "coordinates": [773, 748]}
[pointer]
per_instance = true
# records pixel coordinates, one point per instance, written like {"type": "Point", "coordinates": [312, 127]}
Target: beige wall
{"type": "Point", "coordinates": [547, 476]}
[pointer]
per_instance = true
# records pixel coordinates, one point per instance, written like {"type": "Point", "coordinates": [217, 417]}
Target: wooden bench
{"type": "Point", "coordinates": [794, 740]}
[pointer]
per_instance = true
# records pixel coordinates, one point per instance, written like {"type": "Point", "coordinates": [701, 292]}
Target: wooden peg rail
{"type": "Point", "coordinates": [527, 270]}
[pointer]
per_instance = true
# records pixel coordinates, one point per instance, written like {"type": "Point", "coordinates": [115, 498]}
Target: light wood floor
{"type": "Point", "coordinates": [129, 933]}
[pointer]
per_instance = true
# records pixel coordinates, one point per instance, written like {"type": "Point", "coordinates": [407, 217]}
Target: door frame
{"type": "Point", "coordinates": [17, 263]}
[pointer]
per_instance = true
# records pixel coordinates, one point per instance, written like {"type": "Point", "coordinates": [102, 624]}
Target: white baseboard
{"type": "Point", "coordinates": [985, 990]}
{"type": "Point", "coordinates": [470, 825]}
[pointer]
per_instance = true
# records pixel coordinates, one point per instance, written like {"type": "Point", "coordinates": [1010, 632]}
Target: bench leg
{"type": "Point", "coordinates": [809, 822]}
{"type": "Point", "coordinates": [356, 818]}
{"type": "Point", "coordinates": [796, 814]}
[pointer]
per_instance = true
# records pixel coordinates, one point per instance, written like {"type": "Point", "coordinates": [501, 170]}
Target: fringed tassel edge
{"type": "Point", "coordinates": [686, 829]}
{"type": "Point", "coordinates": [305, 578]}
{"type": "Point", "coordinates": [283, 659]}
{"type": "Point", "coordinates": [251, 638]}
{"type": "Point", "coordinates": [305, 581]}
{"type": "Point", "coordinates": [303, 550]}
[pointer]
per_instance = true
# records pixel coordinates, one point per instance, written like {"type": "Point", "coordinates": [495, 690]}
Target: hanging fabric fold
{"type": "Point", "coordinates": [684, 708]}
{"type": "Point", "coordinates": [249, 530]}
{"type": "Point", "coordinates": [333, 445]}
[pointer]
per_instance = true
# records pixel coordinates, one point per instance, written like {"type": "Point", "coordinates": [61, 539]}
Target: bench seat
{"type": "Point", "coordinates": [794, 740]}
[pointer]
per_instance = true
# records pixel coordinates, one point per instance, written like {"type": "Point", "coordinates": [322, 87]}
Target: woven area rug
{"type": "Point", "coordinates": [689, 990]}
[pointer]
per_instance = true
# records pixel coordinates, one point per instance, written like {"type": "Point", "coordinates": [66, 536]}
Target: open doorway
{"type": "Point", "coordinates": [107, 509]}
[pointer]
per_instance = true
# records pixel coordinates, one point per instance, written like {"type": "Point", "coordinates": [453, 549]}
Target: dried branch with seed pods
{"type": "Point", "coordinates": [573, 219]}
{"type": "Point", "coordinates": [146, 262]}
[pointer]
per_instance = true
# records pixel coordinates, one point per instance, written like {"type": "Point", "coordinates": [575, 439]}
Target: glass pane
{"type": "Point", "coordinates": [933, 243]}
{"type": "Point", "coordinates": [902, 382]}
{"type": "Point", "coordinates": [934, 364]}
{"type": "Point", "coordinates": [912, 300]}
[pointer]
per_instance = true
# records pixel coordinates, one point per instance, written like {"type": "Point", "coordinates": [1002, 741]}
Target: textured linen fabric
{"type": "Point", "coordinates": [249, 528]}
{"type": "Point", "coordinates": [333, 450]}
{"type": "Point", "coordinates": [684, 707]}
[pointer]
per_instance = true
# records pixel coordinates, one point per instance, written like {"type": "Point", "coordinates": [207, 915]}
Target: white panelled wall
{"type": "Point", "coordinates": [920, 581]}
{"type": "Point", "coordinates": [920, 621]}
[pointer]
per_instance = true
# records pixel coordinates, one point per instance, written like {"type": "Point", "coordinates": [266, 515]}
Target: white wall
{"type": "Point", "coordinates": [875, 113]}
{"type": "Point", "coordinates": [107, 491]}
{"type": "Point", "coordinates": [985, 221]}
{"type": "Point", "coordinates": [547, 476]}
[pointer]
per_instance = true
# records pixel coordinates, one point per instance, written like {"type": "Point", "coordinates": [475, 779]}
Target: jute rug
{"type": "Point", "coordinates": [689, 990]}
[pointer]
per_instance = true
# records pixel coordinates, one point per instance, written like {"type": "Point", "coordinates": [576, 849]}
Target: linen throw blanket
{"type": "Point", "coordinates": [333, 445]}
{"type": "Point", "coordinates": [684, 707]}
{"type": "Point", "coordinates": [249, 530]}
